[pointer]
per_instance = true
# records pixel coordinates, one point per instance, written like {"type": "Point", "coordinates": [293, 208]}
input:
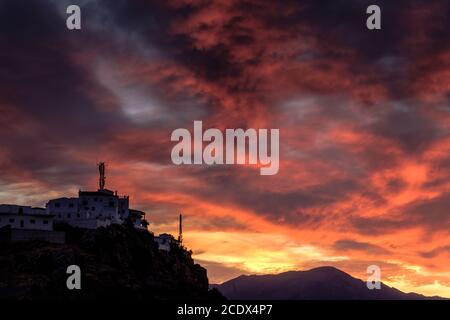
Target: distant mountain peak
{"type": "Point", "coordinates": [322, 283]}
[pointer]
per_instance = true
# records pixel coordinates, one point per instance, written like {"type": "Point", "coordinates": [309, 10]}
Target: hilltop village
{"type": "Point", "coordinates": [90, 210]}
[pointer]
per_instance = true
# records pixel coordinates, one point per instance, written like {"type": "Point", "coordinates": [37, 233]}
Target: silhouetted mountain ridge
{"type": "Point", "coordinates": [323, 283]}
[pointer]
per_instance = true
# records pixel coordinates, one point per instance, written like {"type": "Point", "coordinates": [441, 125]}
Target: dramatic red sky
{"type": "Point", "coordinates": [364, 119]}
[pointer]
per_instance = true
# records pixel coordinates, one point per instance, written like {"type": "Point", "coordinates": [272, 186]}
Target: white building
{"type": "Point", "coordinates": [94, 209]}
{"type": "Point", "coordinates": [28, 223]}
{"type": "Point", "coordinates": [25, 217]}
{"type": "Point", "coordinates": [90, 210]}
{"type": "Point", "coordinates": [165, 241]}
{"type": "Point", "coordinates": [137, 217]}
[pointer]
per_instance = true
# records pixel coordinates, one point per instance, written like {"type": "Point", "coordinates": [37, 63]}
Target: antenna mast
{"type": "Point", "coordinates": [101, 169]}
{"type": "Point", "coordinates": [180, 230]}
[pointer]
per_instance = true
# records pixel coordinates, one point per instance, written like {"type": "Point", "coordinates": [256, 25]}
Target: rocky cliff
{"type": "Point", "coordinates": [117, 262]}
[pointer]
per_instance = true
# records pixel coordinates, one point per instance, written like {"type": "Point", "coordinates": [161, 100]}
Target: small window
{"type": "Point", "coordinates": [95, 199]}
{"type": "Point", "coordinates": [12, 220]}
{"type": "Point", "coordinates": [111, 204]}
{"type": "Point", "coordinates": [32, 221]}
{"type": "Point", "coordinates": [93, 208]}
{"type": "Point", "coordinates": [45, 221]}
{"type": "Point", "coordinates": [59, 215]}
{"type": "Point", "coordinates": [70, 205]}
{"type": "Point", "coordinates": [68, 215]}
{"type": "Point", "coordinates": [57, 205]}
{"type": "Point", "coordinates": [78, 215]}
{"type": "Point", "coordinates": [85, 202]}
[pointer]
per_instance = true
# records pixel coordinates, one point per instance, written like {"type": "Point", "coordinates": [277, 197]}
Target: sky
{"type": "Point", "coordinates": [364, 120]}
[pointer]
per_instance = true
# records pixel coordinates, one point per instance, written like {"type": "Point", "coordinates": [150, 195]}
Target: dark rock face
{"type": "Point", "coordinates": [117, 262]}
{"type": "Point", "coordinates": [325, 283]}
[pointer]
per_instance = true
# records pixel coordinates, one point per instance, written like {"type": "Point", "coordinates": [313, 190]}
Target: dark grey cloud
{"type": "Point", "coordinates": [55, 98]}
{"type": "Point", "coordinates": [47, 91]}
{"type": "Point", "coordinates": [223, 223]}
{"type": "Point", "coordinates": [335, 24]}
{"type": "Point", "coordinates": [435, 252]}
{"type": "Point", "coordinates": [379, 225]}
{"type": "Point", "coordinates": [348, 244]}
{"type": "Point", "coordinates": [431, 215]}
{"type": "Point", "coordinates": [228, 185]}
{"type": "Point", "coordinates": [408, 126]}
{"type": "Point", "coordinates": [385, 54]}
